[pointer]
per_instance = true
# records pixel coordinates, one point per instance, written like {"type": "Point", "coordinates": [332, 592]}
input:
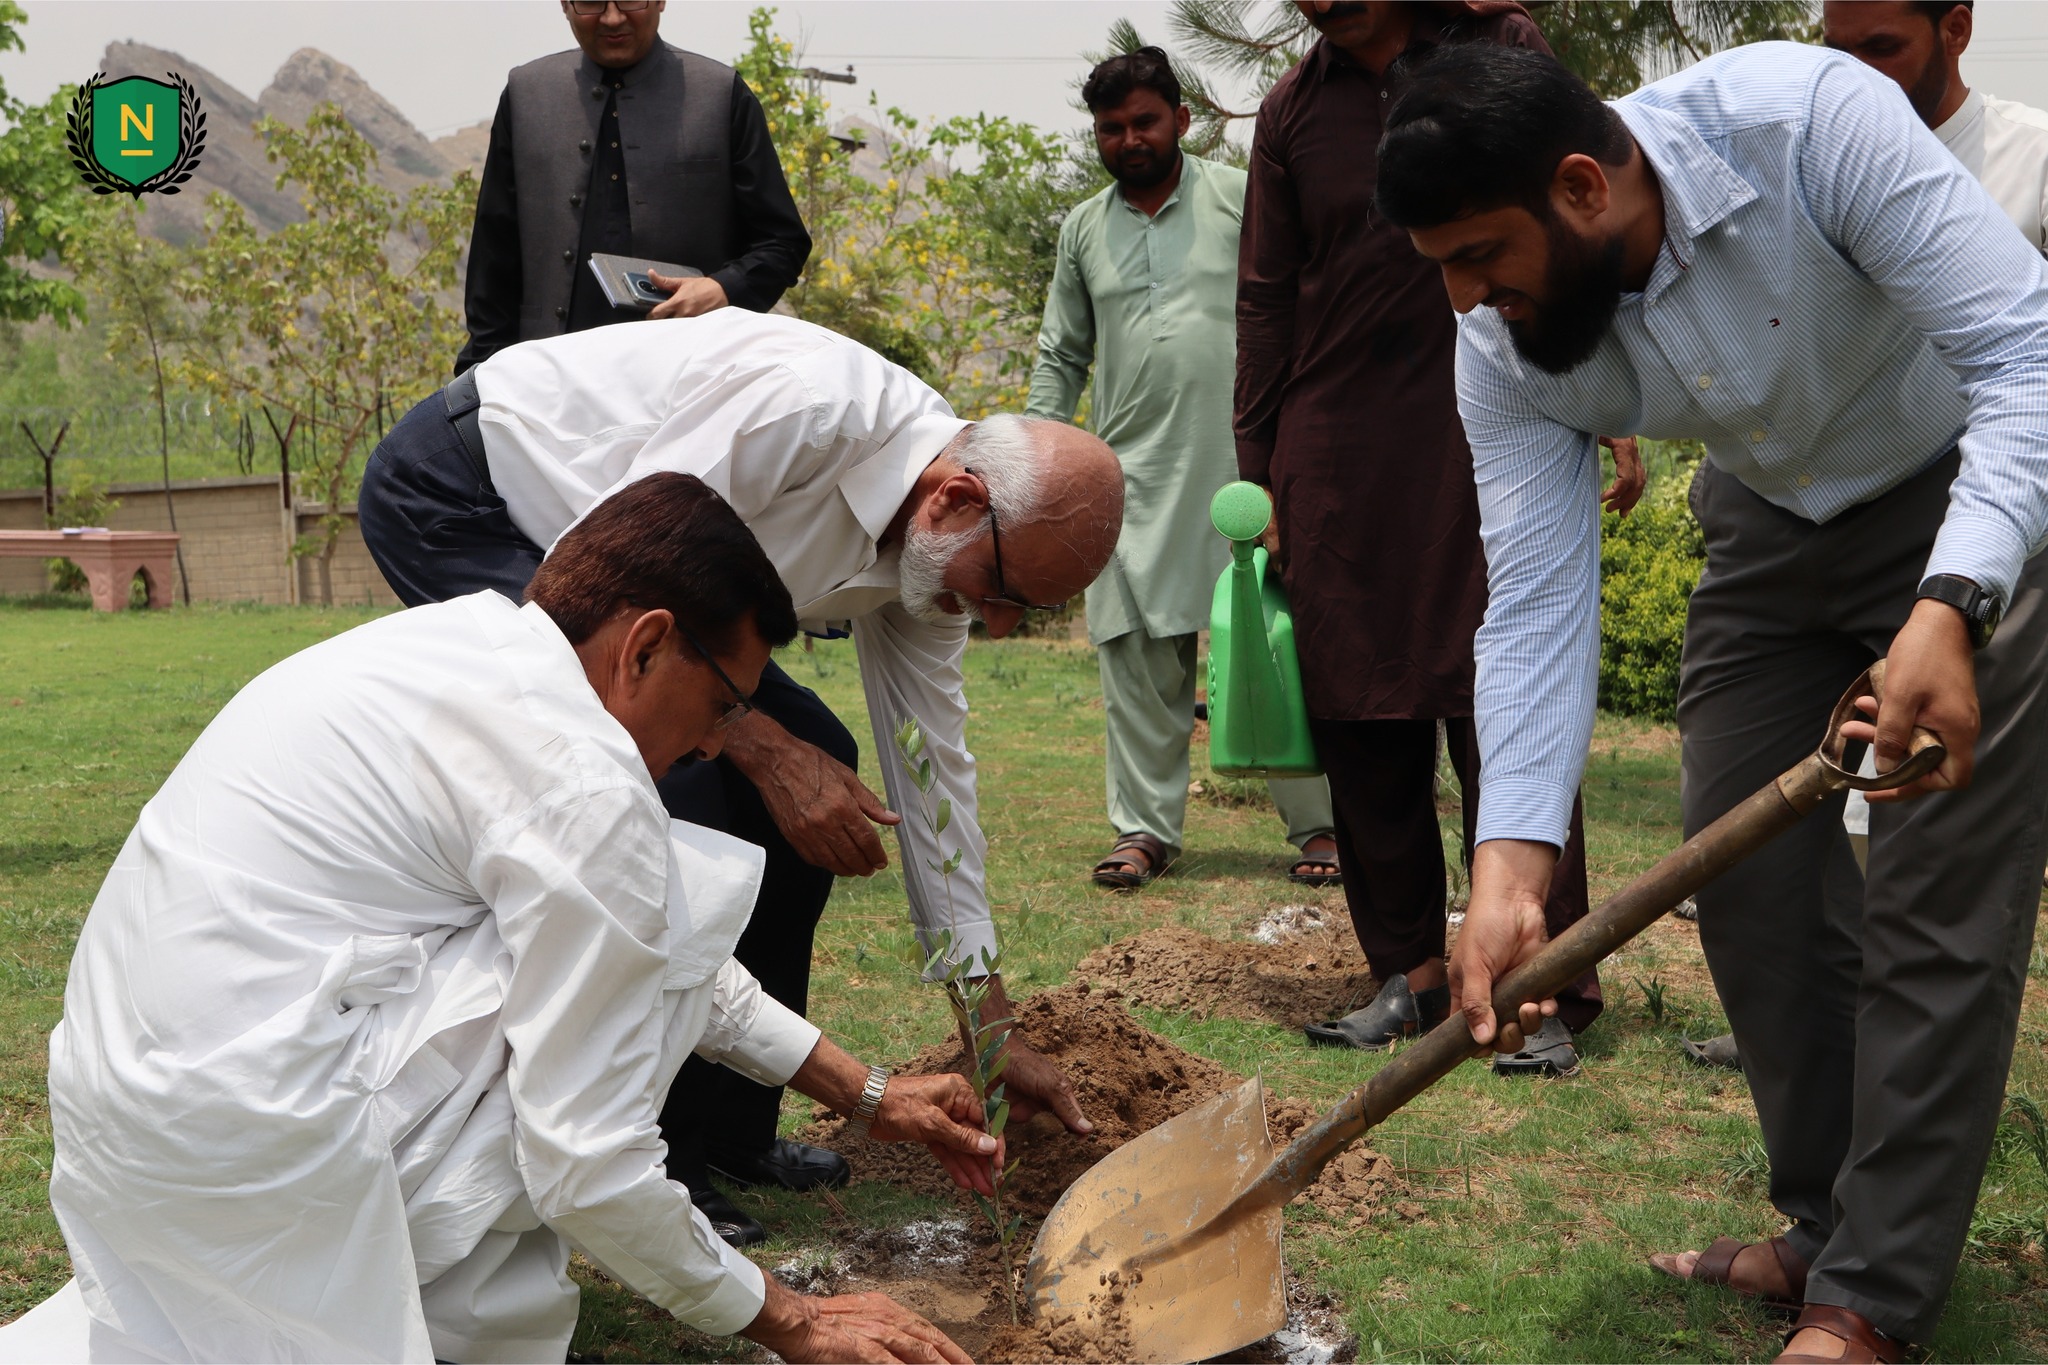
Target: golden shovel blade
{"type": "Point", "coordinates": [1119, 1256]}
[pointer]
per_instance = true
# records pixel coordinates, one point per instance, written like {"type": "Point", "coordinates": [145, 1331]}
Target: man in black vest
{"type": "Point", "coordinates": [628, 147]}
{"type": "Point", "coordinates": [635, 148]}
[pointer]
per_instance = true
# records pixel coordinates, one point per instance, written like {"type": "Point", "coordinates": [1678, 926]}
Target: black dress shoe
{"type": "Point", "coordinates": [791, 1165]}
{"type": "Point", "coordinates": [1395, 1013]}
{"type": "Point", "coordinates": [734, 1228]}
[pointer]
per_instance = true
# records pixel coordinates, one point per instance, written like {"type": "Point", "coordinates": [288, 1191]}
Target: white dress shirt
{"type": "Point", "coordinates": [380, 1002]}
{"type": "Point", "coordinates": [2005, 145]}
{"type": "Point", "coordinates": [815, 440]}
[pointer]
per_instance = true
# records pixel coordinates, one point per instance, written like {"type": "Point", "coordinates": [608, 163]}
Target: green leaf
{"type": "Point", "coordinates": [995, 1071]}
{"type": "Point", "coordinates": [990, 963]}
{"type": "Point", "coordinates": [988, 1210]}
{"type": "Point", "coordinates": [953, 863]}
{"type": "Point", "coordinates": [945, 816]}
{"type": "Point", "coordinates": [999, 1120]}
{"type": "Point", "coordinates": [924, 774]}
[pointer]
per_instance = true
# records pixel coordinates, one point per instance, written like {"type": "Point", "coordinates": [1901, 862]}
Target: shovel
{"type": "Point", "coordinates": [1169, 1247]}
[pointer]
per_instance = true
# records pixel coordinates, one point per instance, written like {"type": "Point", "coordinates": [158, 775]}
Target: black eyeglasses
{"type": "Point", "coordinates": [591, 8]}
{"type": "Point", "coordinates": [1001, 596]}
{"type": "Point", "coordinates": [742, 703]}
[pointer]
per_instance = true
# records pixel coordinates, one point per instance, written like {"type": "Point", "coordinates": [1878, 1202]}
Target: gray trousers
{"type": "Point", "coordinates": [1875, 1019]}
{"type": "Point", "coordinates": [1148, 703]}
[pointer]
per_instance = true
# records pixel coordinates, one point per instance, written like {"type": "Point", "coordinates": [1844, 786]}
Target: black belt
{"type": "Point", "coordinates": [461, 401]}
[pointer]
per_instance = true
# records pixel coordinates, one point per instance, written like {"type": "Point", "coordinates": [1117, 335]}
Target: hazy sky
{"type": "Point", "coordinates": [443, 62]}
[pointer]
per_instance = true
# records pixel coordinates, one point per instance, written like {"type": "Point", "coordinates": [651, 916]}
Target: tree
{"type": "Point", "coordinates": [929, 236]}
{"type": "Point", "coordinates": [44, 210]}
{"type": "Point", "coordinates": [1612, 45]}
{"type": "Point", "coordinates": [336, 324]}
{"type": "Point", "coordinates": [131, 277]}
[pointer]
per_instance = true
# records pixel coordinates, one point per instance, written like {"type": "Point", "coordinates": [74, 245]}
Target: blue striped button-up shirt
{"type": "Point", "coordinates": [1837, 302]}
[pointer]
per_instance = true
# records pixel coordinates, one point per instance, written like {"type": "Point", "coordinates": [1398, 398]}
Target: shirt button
{"type": "Point", "coordinates": [1759, 436]}
{"type": "Point", "coordinates": [561, 313]}
{"type": "Point", "coordinates": [575, 200]}
{"type": "Point", "coordinates": [1806, 480]}
{"type": "Point", "coordinates": [569, 256]}
{"type": "Point", "coordinates": [615, 146]}
{"type": "Point", "coordinates": [584, 145]}
{"type": "Point", "coordinates": [615, 177]}
{"type": "Point", "coordinates": [1706, 381]}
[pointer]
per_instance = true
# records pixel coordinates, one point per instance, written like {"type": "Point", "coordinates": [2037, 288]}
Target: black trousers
{"type": "Point", "coordinates": [438, 529]}
{"type": "Point", "coordinates": [1382, 792]}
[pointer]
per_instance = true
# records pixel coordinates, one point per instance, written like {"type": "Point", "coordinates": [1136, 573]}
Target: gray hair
{"type": "Point", "coordinates": [1005, 452]}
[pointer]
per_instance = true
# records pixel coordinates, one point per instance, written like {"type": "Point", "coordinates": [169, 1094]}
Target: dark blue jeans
{"type": "Point", "coordinates": [438, 529]}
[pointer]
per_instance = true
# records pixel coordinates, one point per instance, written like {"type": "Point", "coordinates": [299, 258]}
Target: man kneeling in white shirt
{"type": "Point", "coordinates": [374, 1015]}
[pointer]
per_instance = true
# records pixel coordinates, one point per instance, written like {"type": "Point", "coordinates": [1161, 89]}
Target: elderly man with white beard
{"type": "Point", "coordinates": [886, 515]}
{"type": "Point", "coordinates": [374, 1013]}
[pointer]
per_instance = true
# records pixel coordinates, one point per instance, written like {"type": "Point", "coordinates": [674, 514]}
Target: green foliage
{"type": "Point", "coordinates": [1615, 47]}
{"type": "Point", "coordinates": [1650, 561]}
{"type": "Point", "coordinates": [336, 324]}
{"type": "Point", "coordinates": [932, 238]}
{"type": "Point", "coordinates": [44, 209]}
{"type": "Point", "coordinates": [967, 985]}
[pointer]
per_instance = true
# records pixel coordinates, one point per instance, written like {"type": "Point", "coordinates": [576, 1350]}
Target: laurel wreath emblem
{"type": "Point", "coordinates": [191, 142]}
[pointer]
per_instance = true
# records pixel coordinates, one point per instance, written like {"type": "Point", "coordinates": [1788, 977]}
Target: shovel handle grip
{"type": "Point", "coordinates": [1699, 860]}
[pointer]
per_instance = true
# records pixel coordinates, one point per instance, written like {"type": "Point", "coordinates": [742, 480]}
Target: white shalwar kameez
{"type": "Point", "coordinates": [375, 1013]}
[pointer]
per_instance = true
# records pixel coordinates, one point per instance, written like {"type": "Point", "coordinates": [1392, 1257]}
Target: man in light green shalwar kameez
{"type": "Point", "coordinates": [1145, 289]}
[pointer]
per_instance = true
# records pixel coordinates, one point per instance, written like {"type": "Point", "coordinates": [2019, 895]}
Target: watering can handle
{"type": "Point", "coordinates": [1737, 834]}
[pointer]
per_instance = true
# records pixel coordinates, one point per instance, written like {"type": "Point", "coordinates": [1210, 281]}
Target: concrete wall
{"type": "Point", "coordinates": [234, 541]}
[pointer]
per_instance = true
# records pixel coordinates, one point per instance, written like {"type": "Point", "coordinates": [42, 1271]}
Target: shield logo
{"type": "Point", "coordinates": [135, 132]}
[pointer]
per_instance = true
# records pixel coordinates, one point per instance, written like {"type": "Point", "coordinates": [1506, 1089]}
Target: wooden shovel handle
{"type": "Point", "coordinates": [1680, 873]}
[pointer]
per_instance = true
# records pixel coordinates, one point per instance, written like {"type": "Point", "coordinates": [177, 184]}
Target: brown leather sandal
{"type": "Point", "coordinates": [1863, 1343]}
{"type": "Point", "coordinates": [1136, 859]}
{"type": "Point", "coordinates": [1317, 869]}
{"type": "Point", "coordinates": [1718, 1261]}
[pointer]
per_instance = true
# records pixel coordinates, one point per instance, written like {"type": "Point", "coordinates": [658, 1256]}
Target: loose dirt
{"type": "Point", "coordinates": [1314, 972]}
{"type": "Point", "coordinates": [1129, 1081]}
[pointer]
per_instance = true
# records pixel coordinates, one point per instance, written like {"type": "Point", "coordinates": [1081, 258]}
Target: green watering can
{"type": "Point", "coordinates": [1258, 723]}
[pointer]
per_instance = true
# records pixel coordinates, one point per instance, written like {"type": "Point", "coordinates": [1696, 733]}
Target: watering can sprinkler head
{"type": "Point", "coordinates": [1241, 512]}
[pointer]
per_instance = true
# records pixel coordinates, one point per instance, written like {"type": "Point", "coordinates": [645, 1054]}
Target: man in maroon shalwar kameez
{"type": "Point", "coordinates": [1345, 413]}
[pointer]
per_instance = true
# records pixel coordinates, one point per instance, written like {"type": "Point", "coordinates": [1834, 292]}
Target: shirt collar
{"type": "Point", "coordinates": [1967, 113]}
{"type": "Point", "coordinates": [593, 75]}
{"type": "Point", "coordinates": [1188, 170]}
{"type": "Point", "coordinates": [875, 488]}
{"type": "Point", "coordinates": [1700, 189]}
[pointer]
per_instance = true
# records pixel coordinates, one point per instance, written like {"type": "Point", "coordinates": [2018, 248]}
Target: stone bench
{"type": "Point", "coordinates": [109, 559]}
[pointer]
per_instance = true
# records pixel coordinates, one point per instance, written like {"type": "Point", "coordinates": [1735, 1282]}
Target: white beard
{"type": "Point", "coordinates": [921, 572]}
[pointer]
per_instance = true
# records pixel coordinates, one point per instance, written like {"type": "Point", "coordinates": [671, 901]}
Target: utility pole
{"type": "Point", "coordinates": [813, 76]}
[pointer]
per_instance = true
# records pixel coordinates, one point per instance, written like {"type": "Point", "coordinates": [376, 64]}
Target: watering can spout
{"type": "Point", "coordinates": [1258, 722]}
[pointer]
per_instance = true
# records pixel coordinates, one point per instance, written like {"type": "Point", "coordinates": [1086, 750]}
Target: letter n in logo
{"type": "Point", "coordinates": [135, 133]}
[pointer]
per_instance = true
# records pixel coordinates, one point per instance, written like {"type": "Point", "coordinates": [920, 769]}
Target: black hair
{"type": "Point", "coordinates": [1481, 127]}
{"type": "Point", "coordinates": [1937, 10]}
{"type": "Point", "coordinates": [1112, 81]}
{"type": "Point", "coordinates": [665, 542]}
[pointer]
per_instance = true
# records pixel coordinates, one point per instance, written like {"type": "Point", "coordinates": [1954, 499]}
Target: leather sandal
{"type": "Point", "coordinates": [1395, 1013]}
{"type": "Point", "coordinates": [1864, 1344]}
{"type": "Point", "coordinates": [1717, 1262]}
{"type": "Point", "coordinates": [1714, 1052]}
{"type": "Point", "coordinates": [1122, 872]}
{"type": "Point", "coordinates": [1316, 869]}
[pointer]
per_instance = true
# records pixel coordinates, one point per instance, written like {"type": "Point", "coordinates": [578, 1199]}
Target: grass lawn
{"type": "Point", "coordinates": [1526, 1209]}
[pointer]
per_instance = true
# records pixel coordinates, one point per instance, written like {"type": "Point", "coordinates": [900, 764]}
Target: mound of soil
{"type": "Point", "coordinates": [1319, 973]}
{"type": "Point", "coordinates": [1130, 1080]}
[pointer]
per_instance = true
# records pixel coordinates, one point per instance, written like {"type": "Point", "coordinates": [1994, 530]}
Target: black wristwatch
{"type": "Point", "coordinates": [1980, 606]}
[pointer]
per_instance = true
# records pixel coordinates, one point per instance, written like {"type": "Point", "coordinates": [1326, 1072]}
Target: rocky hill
{"type": "Point", "coordinates": [234, 163]}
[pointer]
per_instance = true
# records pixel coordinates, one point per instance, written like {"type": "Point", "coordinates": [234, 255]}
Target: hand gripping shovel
{"type": "Point", "coordinates": [1169, 1247]}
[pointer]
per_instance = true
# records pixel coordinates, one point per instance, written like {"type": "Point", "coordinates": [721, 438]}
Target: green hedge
{"type": "Point", "coordinates": [1650, 561]}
